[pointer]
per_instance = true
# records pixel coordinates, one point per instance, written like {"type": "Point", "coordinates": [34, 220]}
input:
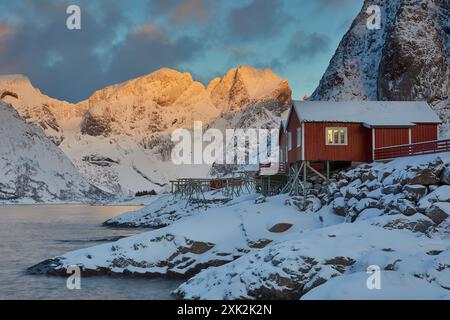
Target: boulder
{"type": "Point", "coordinates": [392, 189]}
{"type": "Point", "coordinates": [421, 224]}
{"type": "Point", "coordinates": [339, 207]}
{"type": "Point", "coordinates": [445, 176]}
{"type": "Point", "coordinates": [415, 192]}
{"type": "Point", "coordinates": [368, 176]}
{"type": "Point", "coordinates": [313, 203]}
{"type": "Point", "coordinates": [425, 176]}
{"type": "Point", "coordinates": [406, 207]}
{"type": "Point", "coordinates": [438, 212]}
{"type": "Point", "coordinates": [260, 200]}
{"type": "Point", "coordinates": [366, 203]}
{"type": "Point", "coordinates": [441, 194]}
{"type": "Point", "coordinates": [342, 183]}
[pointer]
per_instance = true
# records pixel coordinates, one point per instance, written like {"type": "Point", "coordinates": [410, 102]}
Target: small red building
{"type": "Point", "coordinates": [353, 131]}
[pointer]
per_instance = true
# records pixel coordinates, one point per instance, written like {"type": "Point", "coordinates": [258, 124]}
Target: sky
{"type": "Point", "coordinates": [121, 40]}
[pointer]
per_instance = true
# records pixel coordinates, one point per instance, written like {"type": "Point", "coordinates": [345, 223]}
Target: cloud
{"type": "Point", "coordinates": [334, 4]}
{"type": "Point", "coordinates": [257, 20]}
{"type": "Point", "coordinates": [149, 48]}
{"type": "Point", "coordinates": [307, 45]}
{"type": "Point", "coordinates": [69, 64]}
{"type": "Point", "coordinates": [63, 63]}
{"type": "Point", "coordinates": [184, 11]}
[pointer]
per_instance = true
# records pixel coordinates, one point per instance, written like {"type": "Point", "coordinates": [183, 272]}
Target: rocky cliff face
{"type": "Point", "coordinates": [407, 59]}
{"type": "Point", "coordinates": [119, 138]}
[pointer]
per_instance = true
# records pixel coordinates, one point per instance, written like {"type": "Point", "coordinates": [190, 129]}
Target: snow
{"type": "Point", "coordinates": [394, 286]}
{"type": "Point", "coordinates": [33, 169]}
{"type": "Point", "coordinates": [164, 209]}
{"type": "Point", "coordinates": [308, 257]}
{"type": "Point", "coordinates": [441, 194]}
{"type": "Point", "coordinates": [373, 113]}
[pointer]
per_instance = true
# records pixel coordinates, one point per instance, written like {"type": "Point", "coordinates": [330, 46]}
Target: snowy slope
{"type": "Point", "coordinates": [34, 169]}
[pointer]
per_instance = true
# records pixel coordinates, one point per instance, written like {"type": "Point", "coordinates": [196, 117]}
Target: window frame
{"type": "Point", "coordinates": [299, 137]}
{"type": "Point", "coordinates": [338, 144]}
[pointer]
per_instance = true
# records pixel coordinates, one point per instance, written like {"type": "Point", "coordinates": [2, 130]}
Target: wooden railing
{"type": "Point", "coordinates": [413, 149]}
{"type": "Point", "coordinates": [282, 167]}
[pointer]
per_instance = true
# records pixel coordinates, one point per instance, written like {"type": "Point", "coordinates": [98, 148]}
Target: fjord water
{"type": "Point", "coordinates": [30, 234]}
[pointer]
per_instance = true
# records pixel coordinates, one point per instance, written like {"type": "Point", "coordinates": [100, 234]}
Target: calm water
{"type": "Point", "coordinates": [30, 234]}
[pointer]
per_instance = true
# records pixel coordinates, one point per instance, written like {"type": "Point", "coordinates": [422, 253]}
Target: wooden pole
{"type": "Point", "coordinates": [328, 169]}
{"type": "Point", "coordinates": [305, 181]}
{"type": "Point", "coordinates": [317, 172]}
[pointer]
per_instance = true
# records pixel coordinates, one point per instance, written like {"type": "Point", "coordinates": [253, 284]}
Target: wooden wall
{"type": "Point", "coordinates": [355, 150]}
{"type": "Point", "coordinates": [424, 132]}
{"type": "Point", "coordinates": [388, 137]}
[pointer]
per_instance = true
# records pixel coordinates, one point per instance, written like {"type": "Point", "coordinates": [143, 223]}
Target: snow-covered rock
{"type": "Point", "coordinates": [290, 269]}
{"type": "Point", "coordinates": [34, 169]}
{"type": "Point", "coordinates": [166, 209]}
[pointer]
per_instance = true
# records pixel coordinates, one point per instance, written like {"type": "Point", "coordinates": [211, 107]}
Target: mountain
{"type": "Point", "coordinates": [35, 107]}
{"type": "Point", "coordinates": [119, 138]}
{"type": "Point", "coordinates": [34, 169]}
{"type": "Point", "coordinates": [407, 59]}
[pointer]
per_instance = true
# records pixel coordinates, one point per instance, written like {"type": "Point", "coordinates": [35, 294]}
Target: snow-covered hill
{"type": "Point", "coordinates": [34, 169]}
{"type": "Point", "coordinates": [119, 138]}
{"type": "Point", "coordinates": [407, 59]}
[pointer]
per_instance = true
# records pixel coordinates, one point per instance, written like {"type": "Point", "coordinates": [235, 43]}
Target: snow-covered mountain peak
{"type": "Point", "coordinates": [119, 138]}
{"type": "Point", "coordinates": [245, 85]}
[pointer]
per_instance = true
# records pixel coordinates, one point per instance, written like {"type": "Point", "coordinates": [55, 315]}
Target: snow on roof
{"type": "Point", "coordinates": [371, 113]}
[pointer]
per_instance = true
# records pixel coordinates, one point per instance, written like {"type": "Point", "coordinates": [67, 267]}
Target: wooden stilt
{"type": "Point", "coordinates": [328, 169]}
{"type": "Point", "coordinates": [317, 172]}
{"type": "Point", "coordinates": [305, 183]}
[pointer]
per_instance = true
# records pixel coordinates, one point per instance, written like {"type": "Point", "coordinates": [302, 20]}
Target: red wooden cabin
{"type": "Point", "coordinates": [355, 131]}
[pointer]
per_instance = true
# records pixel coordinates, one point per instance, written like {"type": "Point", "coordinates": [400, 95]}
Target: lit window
{"type": "Point", "coordinates": [289, 137]}
{"type": "Point", "coordinates": [336, 136]}
{"type": "Point", "coordinates": [299, 137]}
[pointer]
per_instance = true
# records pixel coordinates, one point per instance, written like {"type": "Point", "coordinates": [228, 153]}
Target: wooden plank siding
{"type": "Point", "coordinates": [388, 137]}
{"type": "Point", "coordinates": [424, 132]}
{"type": "Point", "coordinates": [295, 154]}
{"type": "Point", "coordinates": [355, 150]}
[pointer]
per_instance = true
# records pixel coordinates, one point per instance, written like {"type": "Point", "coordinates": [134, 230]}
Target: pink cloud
{"type": "Point", "coordinates": [190, 9]}
{"type": "Point", "coordinates": [6, 33]}
{"type": "Point", "coordinates": [150, 31]}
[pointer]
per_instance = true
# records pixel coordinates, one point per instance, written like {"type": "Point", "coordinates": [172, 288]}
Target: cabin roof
{"type": "Point", "coordinates": [370, 113]}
